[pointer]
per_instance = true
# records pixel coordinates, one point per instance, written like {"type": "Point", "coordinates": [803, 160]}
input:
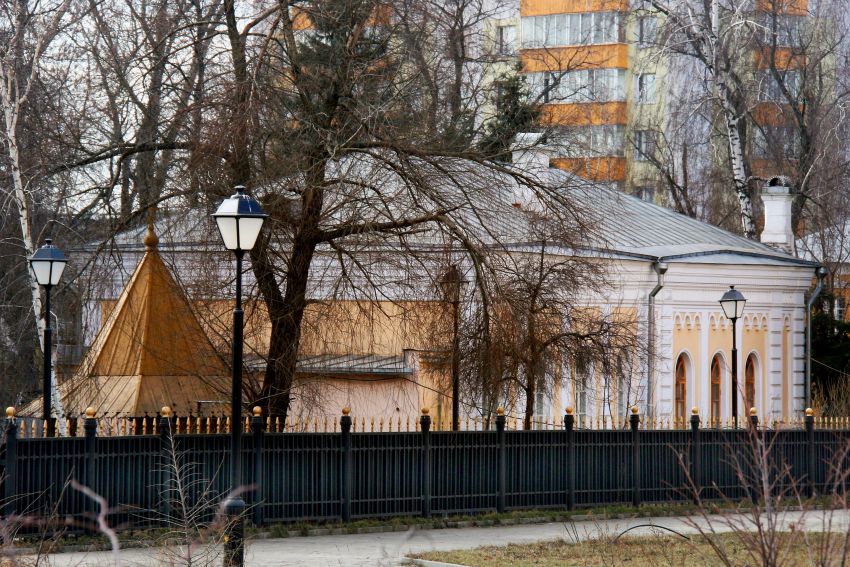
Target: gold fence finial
{"type": "Point", "coordinates": [635, 410]}
{"type": "Point", "coordinates": [10, 412]}
{"type": "Point", "coordinates": [500, 410]}
{"type": "Point", "coordinates": [810, 412]}
{"type": "Point", "coordinates": [90, 412]}
{"type": "Point", "coordinates": [570, 410]}
{"type": "Point", "coordinates": [258, 411]}
{"type": "Point", "coordinates": [426, 411]}
{"type": "Point", "coordinates": [346, 410]}
{"type": "Point", "coordinates": [694, 410]}
{"type": "Point", "coordinates": [151, 239]}
{"type": "Point", "coordinates": [753, 411]}
{"type": "Point", "coordinates": [165, 411]}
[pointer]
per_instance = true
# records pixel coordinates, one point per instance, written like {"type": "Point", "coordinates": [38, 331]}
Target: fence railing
{"type": "Point", "coordinates": [120, 426]}
{"type": "Point", "coordinates": [349, 474]}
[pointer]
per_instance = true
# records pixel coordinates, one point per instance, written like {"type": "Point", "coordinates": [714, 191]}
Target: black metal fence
{"type": "Point", "coordinates": [147, 479]}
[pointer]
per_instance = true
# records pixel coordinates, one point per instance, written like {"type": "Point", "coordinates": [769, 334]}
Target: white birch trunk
{"type": "Point", "coordinates": [13, 97]}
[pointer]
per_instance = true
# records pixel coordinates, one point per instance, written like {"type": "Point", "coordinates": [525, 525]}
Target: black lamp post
{"type": "Point", "coordinates": [451, 284]}
{"type": "Point", "coordinates": [733, 303]}
{"type": "Point", "coordinates": [240, 219]}
{"type": "Point", "coordinates": [47, 265]}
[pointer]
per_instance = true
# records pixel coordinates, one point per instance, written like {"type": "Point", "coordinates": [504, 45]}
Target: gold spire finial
{"type": "Point", "coordinates": [166, 411]}
{"type": "Point", "coordinates": [500, 411]}
{"type": "Point", "coordinates": [810, 411]}
{"type": "Point", "coordinates": [635, 410]}
{"type": "Point", "coordinates": [10, 412]}
{"type": "Point", "coordinates": [89, 412]}
{"type": "Point", "coordinates": [346, 410]}
{"type": "Point", "coordinates": [570, 410]}
{"type": "Point", "coordinates": [426, 411]}
{"type": "Point", "coordinates": [151, 239]}
{"type": "Point", "coordinates": [694, 410]}
{"type": "Point", "coordinates": [258, 411]}
{"type": "Point", "coordinates": [753, 411]}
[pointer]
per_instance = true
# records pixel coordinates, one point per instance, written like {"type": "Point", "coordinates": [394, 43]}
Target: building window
{"type": "Point", "coordinates": [584, 372]}
{"type": "Point", "coordinates": [556, 30]}
{"type": "Point", "coordinates": [839, 308]}
{"type": "Point", "coordinates": [595, 85]}
{"type": "Point", "coordinates": [750, 382]}
{"type": "Point", "coordinates": [770, 90]}
{"type": "Point", "coordinates": [776, 142]}
{"type": "Point", "coordinates": [623, 383]}
{"type": "Point", "coordinates": [715, 390]}
{"type": "Point", "coordinates": [506, 40]}
{"type": "Point", "coordinates": [646, 193]}
{"type": "Point", "coordinates": [787, 29]}
{"type": "Point", "coordinates": [589, 141]}
{"type": "Point", "coordinates": [681, 387]}
{"type": "Point", "coordinates": [647, 29]}
{"type": "Point", "coordinates": [645, 88]}
{"type": "Point", "coordinates": [645, 145]}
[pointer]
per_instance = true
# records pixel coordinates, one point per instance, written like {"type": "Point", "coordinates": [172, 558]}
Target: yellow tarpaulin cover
{"type": "Point", "coordinates": [150, 352]}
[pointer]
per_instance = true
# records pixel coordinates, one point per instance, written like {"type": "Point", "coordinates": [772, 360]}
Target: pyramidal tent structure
{"type": "Point", "coordinates": [150, 352]}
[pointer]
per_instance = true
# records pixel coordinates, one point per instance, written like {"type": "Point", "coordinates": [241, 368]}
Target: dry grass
{"type": "Point", "coordinates": [631, 551]}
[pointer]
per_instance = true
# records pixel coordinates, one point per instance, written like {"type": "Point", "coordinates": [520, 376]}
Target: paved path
{"type": "Point", "coordinates": [387, 549]}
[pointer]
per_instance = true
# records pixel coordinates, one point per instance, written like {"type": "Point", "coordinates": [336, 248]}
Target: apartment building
{"type": "Point", "coordinates": [593, 66]}
{"type": "Point", "coordinates": [608, 90]}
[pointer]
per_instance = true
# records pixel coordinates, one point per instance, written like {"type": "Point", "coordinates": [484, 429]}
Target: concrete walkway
{"type": "Point", "coordinates": [388, 549]}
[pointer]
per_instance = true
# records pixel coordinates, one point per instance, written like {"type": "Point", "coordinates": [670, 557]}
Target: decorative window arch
{"type": "Point", "coordinates": [716, 389]}
{"type": "Point", "coordinates": [680, 387]}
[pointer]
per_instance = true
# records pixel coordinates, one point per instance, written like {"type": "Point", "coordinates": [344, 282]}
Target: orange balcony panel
{"type": "Point", "coordinates": [597, 169]}
{"type": "Point", "coordinates": [793, 7]}
{"type": "Point", "coordinates": [773, 114]}
{"type": "Point", "coordinates": [544, 7]}
{"type": "Point", "coordinates": [584, 114]}
{"type": "Point", "coordinates": [767, 168]}
{"type": "Point", "coordinates": [786, 58]}
{"type": "Point", "coordinates": [604, 56]}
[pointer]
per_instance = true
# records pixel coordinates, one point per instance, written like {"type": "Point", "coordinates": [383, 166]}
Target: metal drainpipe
{"type": "Point", "coordinates": [660, 269]}
{"type": "Point", "coordinates": [820, 272]}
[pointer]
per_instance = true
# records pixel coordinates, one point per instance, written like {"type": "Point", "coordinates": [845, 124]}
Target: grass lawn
{"type": "Point", "coordinates": [648, 552]}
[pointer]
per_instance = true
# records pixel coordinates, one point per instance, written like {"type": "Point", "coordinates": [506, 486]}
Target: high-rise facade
{"type": "Point", "coordinates": [608, 89]}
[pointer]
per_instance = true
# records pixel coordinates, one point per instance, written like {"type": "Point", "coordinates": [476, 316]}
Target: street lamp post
{"type": "Point", "coordinates": [733, 302]}
{"type": "Point", "coordinates": [47, 264]}
{"type": "Point", "coordinates": [240, 219]}
{"type": "Point", "coordinates": [451, 284]}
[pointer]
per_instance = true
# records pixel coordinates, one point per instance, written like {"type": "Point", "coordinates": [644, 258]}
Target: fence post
{"type": "Point", "coordinates": [259, 441]}
{"type": "Point", "coordinates": [696, 468]}
{"type": "Point", "coordinates": [634, 421]}
{"type": "Point", "coordinates": [345, 476]}
{"type": "Point", "coordinates": [10, 491]}
{"type": "Point", "coordinates": [569, 429]}
{"type": "Point", "coordinates": [757, 454]}
{"type": "Point", "coordinates": [166, 463]}
{"type": "Point", "coordinates": [501, 474]}
{"type": "Point", "coordinates": [90, 428]}
{"type": "Point", "coordinates": [810, 450]}
{"type": "Point", "coordinates": [425, 476]}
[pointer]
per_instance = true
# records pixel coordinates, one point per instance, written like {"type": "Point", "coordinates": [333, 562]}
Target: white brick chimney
{"type": "Point", "coordinates": [531, 156]}
{"type": "Point", "coordinates": [778, 201]}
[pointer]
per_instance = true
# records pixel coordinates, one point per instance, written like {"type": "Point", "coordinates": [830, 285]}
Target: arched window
{"type": "Point", "coordinates": [750, 383]}
{"type": "Point", "coordinates": [623, 384]}
{"type": "Point", "coordinates": [716, 366]}
{"type": "Point", "coordinates": [681, 387]}
{"type": "Point", "coordinates": [584, 371]}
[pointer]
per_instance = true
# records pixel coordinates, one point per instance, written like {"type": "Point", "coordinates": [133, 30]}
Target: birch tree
{"type": "Point", "coordinates": [29, 29]}
{"type": "Point", "coordinates": [719, 37]}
